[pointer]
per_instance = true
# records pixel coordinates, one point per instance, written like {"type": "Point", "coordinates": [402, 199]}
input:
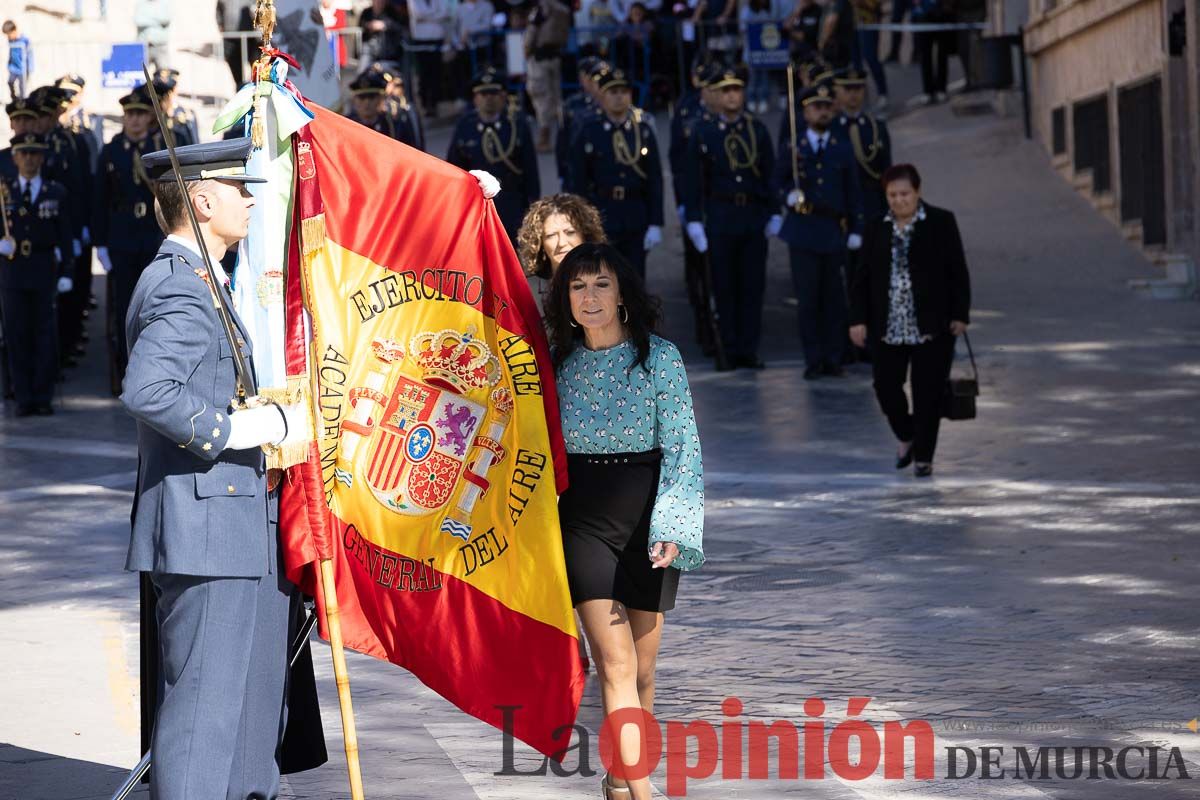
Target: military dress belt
{"type": "Point", "coordinates": [621, 193]}
{"type": "Point", "coordinates": [27, 248]}
{"type": "Point", "coordinates": [816, 210]}
{"type": "Point", "coordinates": [138, 209]}
{"type": "Point", "coordinates": [740, 198]}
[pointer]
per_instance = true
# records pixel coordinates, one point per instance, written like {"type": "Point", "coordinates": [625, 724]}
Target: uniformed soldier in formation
{"type": "Point", "coordinates": [729, 206]}
{"type": "Point", "coordinates": [867, 135]}
{"type": "Point", "coordinates": [86, 129]}
{"type": "Point", "coordinates": [22, 118]}
{"type": "Point", "coordinates": [34, 270]}
{"type": "Point", "coordinates": [687, 111]}
{"type": "Point", "coordinates": [495, 137]}
{"type": "Point", "coordinates": [368, 97]}
{"type": "Point", "coordinates": [67, 164]}
{"type": "Point", "coordinates": [398, 105]}
{"type": "Point", "coordinates": [816, 180]}
{"type": "Point", "coordinates": [616, 165]}
{"type": "Point", "coordinates": [575, 110]}
{"type": "Point", "coordinates": [76, 119]}
{"type": "Point", "coordinates": [204, 513]}
{"type": "Point", "coordinates": [124, 230]}
{"type": "Point", "coordinates": [181, 121]}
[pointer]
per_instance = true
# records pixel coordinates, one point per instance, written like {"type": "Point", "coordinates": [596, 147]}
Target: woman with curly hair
{"type": "Point", "coordinates": [552, 227]}
{"type": "Point", "coordinates": [633, 514]}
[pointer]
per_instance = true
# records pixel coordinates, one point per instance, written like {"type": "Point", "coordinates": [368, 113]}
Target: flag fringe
{"type": "Point", "coordinates": [312, 234]}
{"type": "Point", "coordinates": [296, 392]}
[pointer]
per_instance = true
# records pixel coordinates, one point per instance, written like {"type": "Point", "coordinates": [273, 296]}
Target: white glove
{"type": "Point", "coordinates": [76, 248]}
{"type": "Point", "coordinates": [681, 212]}
{"type": "Point", "coordinates": [8, 247]}
{"type": "Point", "coordinates": [253, 427]}
{"type": "Point", "coordinates": [87, 236]}
{"type": "Point", "coordinates": [488, 183]}
{"type": "Point", "coordinates": [65, 285]}
{"type": "Point", "coordinates": [774, 225]}
{"type": "Point", "coordinates": [299, 425]}
{"type": "Point", "coordinates": [653, 237]}
{"type": "Point", "coordinates": [58, 255]}
{"type": "Point", "coordinates": [853, 241]}
{"type": "Point", "coordinates": [102, 256]}
{"type": "Point", "coordinates": [695, 232]}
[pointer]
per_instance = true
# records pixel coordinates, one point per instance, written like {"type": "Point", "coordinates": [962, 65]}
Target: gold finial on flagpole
{"type": "Point", "coordinates": [264, 20]}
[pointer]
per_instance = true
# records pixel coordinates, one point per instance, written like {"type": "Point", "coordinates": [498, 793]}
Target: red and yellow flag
{"type": "Point", "coordinates": [438, 459]}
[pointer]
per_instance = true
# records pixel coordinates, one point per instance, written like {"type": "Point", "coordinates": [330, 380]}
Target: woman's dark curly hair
{"type": "Point", "coordinates": [591, 259]}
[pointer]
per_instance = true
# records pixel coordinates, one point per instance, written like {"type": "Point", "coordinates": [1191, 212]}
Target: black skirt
{"type": "Point", "coordinates": [605, 516]}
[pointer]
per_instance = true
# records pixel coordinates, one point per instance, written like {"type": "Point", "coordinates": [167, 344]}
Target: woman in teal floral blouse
{"type": "Point", "coordinates": [633, 515]}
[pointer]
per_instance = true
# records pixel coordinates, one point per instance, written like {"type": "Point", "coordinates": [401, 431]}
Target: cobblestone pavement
{"type": "Point", "coordinates": [1034, 593]}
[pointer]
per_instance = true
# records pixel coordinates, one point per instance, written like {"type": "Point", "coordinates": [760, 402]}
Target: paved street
{"type": "Point", "coordinates": [1037, 592]}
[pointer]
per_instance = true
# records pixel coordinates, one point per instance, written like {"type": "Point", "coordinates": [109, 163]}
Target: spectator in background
{"type": "Point", "coordinates": [900, 8]}
{"type": "Point", "coordinates": [20, 60]}
{"type": "Point", "coordinates": [471, 36]}
{"type": "Point", "coordinates": [803, 26]}
{"type": "Point", "coordinates": [866, 46]}
{"type": "Point", "coordinates": [633, 35]}
{"type": "Point", "coordinates": [427, 22]}
{"type": "Point", "coordinates": [933, 47]}
{"type": "Point", "coordinates": [383, 25]}
{"type": "Point", "coordinates": [837, 41]}
{"type": "Point", "coordinates": [973, 11]}
{"type": "Point", "coordinates": [152, 18]}
{"type": "Point", "coordinates": [759, 85]}
{"type": "Point", "coordinates": [545, 38]}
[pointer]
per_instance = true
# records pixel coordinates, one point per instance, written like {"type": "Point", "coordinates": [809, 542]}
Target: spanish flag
{"type": "Point", "coordinates": [433, 480]}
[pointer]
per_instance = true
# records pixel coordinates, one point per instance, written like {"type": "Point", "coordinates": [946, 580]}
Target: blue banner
{"type": "Point", "coordinates": [123, 68]}
{"type": "Point", "coordinates": [766, 45]}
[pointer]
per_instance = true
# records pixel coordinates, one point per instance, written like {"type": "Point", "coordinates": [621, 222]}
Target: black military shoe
{"type": "Point", "coordinates": [750, 362]}
{"type": "Point", "coordinates": [812, 373]}
{"type": "Point", "coordinates": [44, 411]}
{"type": "Point", "coordinates": [833, 370]}
{"type": "Point", "coordinates": [25, 411]}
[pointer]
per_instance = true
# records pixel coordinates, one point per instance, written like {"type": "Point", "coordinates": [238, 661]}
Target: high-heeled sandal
{"type": "Point", "coordinates": [611, 792]}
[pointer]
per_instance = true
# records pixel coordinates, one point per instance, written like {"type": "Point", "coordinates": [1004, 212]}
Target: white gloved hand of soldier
{"type": "Point", "coordinates": [65, 285]}
{"type": "Point", "coordinates": [774, 226]}
{"type": "Point", "coordinates": [76, 248]}
{"type": "Point", "coordinates": [102, 257]}
{"type": "Point", "coordinates": [853, 241]}
{"type": "Point", "coordinates": [253, 427]}
{"type": "Point", "coordinates": [488, 183]}
{"type": "Point", "coordinates": [695, 232]}
{"type": "Point", "coordinates": [8, 247]}
{"type": "Point", "coordinates": [681, 212]}
{"type": "Point", "coordinates": [86, 236]}
{"type": "Point", "coordinates": [653, 237]}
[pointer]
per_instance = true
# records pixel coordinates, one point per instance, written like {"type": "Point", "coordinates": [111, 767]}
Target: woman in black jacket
{"type": "Point", "coordinates": [911, 298]}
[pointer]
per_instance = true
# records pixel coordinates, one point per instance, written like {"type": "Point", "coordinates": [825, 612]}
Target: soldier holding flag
{"type": "Point", "coordinates": [204, 520]}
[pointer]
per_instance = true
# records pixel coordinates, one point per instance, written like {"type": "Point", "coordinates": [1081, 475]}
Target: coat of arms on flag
{"type": "Point", "coordinates": [417, 441]}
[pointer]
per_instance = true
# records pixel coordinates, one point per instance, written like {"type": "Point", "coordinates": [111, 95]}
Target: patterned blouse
{"type": "Point", "coordinates": [610, 405]}
{"type": "Point", "coordinates": [902, 313]}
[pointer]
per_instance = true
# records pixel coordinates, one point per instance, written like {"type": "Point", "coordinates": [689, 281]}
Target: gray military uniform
{"type": "Point", "coordinates": [205, 527]}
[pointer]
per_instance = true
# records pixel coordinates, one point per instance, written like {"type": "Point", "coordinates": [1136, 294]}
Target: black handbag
{"type": "Point", "coordinates": [958, 400]}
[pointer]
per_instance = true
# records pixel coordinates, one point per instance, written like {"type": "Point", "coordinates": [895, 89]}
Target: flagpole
{"type": "Point", "coordinates": [341, 677]}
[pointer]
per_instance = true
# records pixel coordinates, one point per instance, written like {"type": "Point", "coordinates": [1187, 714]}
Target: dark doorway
{"type": "Point", "coordinates": [1143, 188]}
{"type": "Point", "coordinates": [1089, 123]}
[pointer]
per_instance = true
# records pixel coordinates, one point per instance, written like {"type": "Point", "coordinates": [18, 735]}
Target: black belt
{"type": "Point", "coordinates": [27, 248]}
{"type": "Point", "coordinates": [139, 209]}
{"type": "Point", "coordinates": [823, 211]}
{"type": "Point", "coordinates": [741, 199]}
{"type": "Point", "coordinates": [620, 193]}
